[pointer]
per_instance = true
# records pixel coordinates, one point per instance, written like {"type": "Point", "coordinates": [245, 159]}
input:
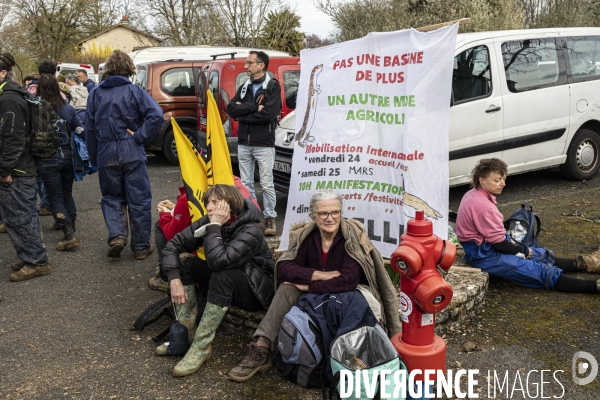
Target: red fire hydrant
{"type": "Point", "coordinates": [424, 293]}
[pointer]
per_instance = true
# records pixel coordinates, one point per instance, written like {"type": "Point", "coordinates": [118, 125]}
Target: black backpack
{"type": "Point", "coordinates": [41, 126]}
{"type": "Point", "coordinates": [43, 129]}
{"type": "Point", "coordinates": [529, 220]}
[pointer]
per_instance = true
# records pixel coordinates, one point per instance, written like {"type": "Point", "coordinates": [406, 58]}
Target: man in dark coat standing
{"type": "Point", "coordinates": [17, 180]}
{"type": "Point", "coordinates": [256, 106]}
{"type": "Point", "coordinates": [85, 81]}
{"type": "Point", "coordinates": [120, 119]}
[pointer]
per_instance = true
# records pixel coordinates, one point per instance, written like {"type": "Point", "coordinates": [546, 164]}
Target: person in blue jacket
{"type": "Point", "coordinates": [57, 172]}
{"type": "Point", "coordinates": [120, 118]}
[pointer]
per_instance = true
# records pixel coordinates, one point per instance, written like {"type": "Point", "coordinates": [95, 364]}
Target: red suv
{"type": "Point", "coordinates": [224, 77]}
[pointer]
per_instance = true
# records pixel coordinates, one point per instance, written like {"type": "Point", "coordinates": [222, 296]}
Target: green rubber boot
{"type": "Point", "coordinates": [186, 314]}
{"type": "Point", "coordinates": [201, 349]}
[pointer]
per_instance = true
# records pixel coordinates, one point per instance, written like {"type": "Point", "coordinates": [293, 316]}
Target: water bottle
{"type": "Point", "coordinates": [518, 232]}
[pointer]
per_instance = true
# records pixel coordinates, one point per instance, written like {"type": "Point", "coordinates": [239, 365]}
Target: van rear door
{"type": "Point", "coordinates": [477, 114]}
{"type": "Point", "coordinates": [536, 101]}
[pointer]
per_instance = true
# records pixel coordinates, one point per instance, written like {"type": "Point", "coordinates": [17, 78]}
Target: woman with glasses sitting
{"type": "Point", "coordinates": [328, 255]}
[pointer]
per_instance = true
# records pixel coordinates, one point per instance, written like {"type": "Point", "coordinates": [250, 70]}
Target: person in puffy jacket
{"type": "Point", "coordinates": [174, 218]}
{"type": "Point", "coordinates": [120, 119]}
{"type": "Point", "coordinates": [57, 172]}
{"type": "Point", "coordinates": [237, 270]}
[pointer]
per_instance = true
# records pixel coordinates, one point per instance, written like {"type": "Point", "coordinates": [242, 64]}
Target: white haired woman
{"type": "Point", "coordinates": [327, 255]}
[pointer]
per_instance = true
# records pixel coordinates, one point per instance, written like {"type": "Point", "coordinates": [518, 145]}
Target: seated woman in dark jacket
{"type": "Point", "coordinates": [329, 255]}
{"type": "Point", "coordinates": [238, 270]}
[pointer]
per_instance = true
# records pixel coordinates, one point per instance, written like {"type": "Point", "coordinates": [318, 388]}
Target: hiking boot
{"type": "Point", "coordinates": [29, 271]}
{"type": "Point", "coordinates": [2, 228]}
{"type": "Point", "coordinates": [270, 228]}
{"type": "Point", "coordinates": [155, 283]}
{"type": "Point", "coordinates": [201, 348]}
{"type": "Point", "coordinates": [70, 241]}
{"type": "Point", "coordinates": [115, 248]}
{"type": "Point", "coordinates": [43, 211]}
{"type": "Point", "coordinates": [18, 265]}
{"type": "Point", "coordinates": [142, 255]}
{"type": "Point", "coordinates": [591, 262]}
{"type": "Point", "coordinates": [257, 359]}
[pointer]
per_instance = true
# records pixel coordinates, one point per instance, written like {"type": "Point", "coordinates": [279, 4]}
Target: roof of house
{"type": "Point", "coordinates": [122, 25]}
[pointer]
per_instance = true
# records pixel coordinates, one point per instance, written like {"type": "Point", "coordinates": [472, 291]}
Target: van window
{"type": "Point", "coordinates": [213, 85]}
{"type": "Point", "coordinates": [471, 78]}
{"type": "Point", "coordinates": [178, 82]}
{"type": "Point", "coordinates": [139, 78]}
{"type": "Point", "coordinates": [243, 77]}
{"type": "Point", "coordinates": [532, 64]}
{"type": "Point", "coordinates": [290, 87]}
{"type": "Point", "coordinates": [584, 57]}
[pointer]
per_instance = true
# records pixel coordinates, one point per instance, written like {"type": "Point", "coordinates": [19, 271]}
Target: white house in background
{"type": "Point", "coordinates": [121, 36]}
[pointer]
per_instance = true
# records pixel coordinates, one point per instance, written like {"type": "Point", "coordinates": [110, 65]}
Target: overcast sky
{"type": "Point", "coordinates": [313, 20]}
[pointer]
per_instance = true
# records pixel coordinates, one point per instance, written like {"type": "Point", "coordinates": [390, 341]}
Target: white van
{"type": "Point", "coordinates": [530, 97]}
{"type": "Point", "coordinates": [71, 68]}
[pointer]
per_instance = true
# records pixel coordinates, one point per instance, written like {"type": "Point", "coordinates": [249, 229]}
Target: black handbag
{"type": "Point", "coordinates": [178, 339]}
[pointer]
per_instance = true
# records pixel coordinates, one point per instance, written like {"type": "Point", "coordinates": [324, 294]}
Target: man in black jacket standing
{"type": "Point", "coordinates": [256, 106]}
{"type": "Point", "coordinates": [17, 180]}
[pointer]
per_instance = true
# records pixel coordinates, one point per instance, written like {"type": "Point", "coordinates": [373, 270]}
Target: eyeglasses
{"type": "Point", "coordinates": [253, 62]}
{"type": "Point", "coordinates": [334, 214]}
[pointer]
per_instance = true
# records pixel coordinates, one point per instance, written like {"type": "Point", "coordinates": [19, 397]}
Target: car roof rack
{"type": "Point", "coordinates": [214, 56]}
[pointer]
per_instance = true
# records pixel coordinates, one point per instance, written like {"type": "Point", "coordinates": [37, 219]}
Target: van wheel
{"type": "Point", "coordinates": [169, 147]}
{"type": "Point", "coordinates": [583, 156]}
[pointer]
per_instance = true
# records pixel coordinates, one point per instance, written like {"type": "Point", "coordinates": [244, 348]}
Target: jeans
{"type": "Point", "coordinates": [58, 176]}
{"type": "Point", "coordinates": [41, 190]}
{"type": "Point", "coordinates": [126, 193]}
{"type": "Point", "coordinates": [19, 213]}
{"type": "Point", "coordinates": [265, 156]}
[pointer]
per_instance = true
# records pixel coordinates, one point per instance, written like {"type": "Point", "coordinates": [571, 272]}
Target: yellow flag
{"type": "Point", "coordinates": [193, 172]}
{"type": "Point", "coordinates": [218, 164]}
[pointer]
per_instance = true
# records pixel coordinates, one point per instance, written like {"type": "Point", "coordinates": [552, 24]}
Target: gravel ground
{"type": "Point", "coordinates": [67, 335]}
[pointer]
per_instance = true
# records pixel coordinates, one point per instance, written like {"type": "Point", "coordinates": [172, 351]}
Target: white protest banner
{"type": "Point", "coordinates": [372, 124]}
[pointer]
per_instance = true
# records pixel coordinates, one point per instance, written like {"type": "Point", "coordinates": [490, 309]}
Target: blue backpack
{"type": "Point", "coordinates": [300, 350]}
{"type": "Point", "coordinates": [529, 220]}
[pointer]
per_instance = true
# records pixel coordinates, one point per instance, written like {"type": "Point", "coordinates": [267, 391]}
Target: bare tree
{"type": "Point", "coordinates": [356, 18]}
{"type": "Point", "coordinates": [5, 8]}
{"type": "Point", "coordinates": [557, 13]}
{"type": "Point", "coordinates": [184, 22]}
{"type": "Point", "coordinates": [242, 21]}
{"type": "Point", "coordinates": [313, 41]}
{"type": "Point", "coordinates": [99, 15]}
{"type": "Point", "coordinates": [53, 30]}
